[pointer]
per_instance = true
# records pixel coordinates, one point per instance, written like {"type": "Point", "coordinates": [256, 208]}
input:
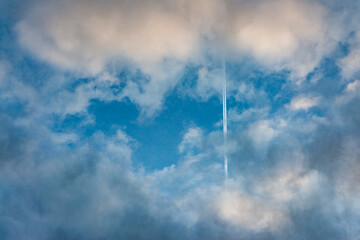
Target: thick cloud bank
{"type": "Point", "coordinates": [294, 121]}
{"type": "Point", "coordinates": [156, 36]}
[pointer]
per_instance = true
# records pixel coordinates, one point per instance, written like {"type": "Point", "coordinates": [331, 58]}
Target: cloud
{"type": "Point", "coordinates": [303, 103]}
{"type": "Point", "coordinates": [208, 83]}
{"type": "Point", "coordinates": [262, 133]}
{"type": "Point", "coordinates": [291, 175]}
{"type": "Point", "coordinates": [192, 138]}
{"type": "Point", "coordinates": [353, 86]}
{"type": "Point", "coordinates": [47, 183]}
{"type": "Point", "coordinates": [160, 39]}
{"type": "Point", "coordinates": [86, 36]}
{"type": "Point", "coordinates": [249, 213]}
{"type": "Point", "coordinates": [291, 183]}
{"type": "Point", "coordinates": [350, 93]}
{"type": "Point", "coordinates": [286, 34]}
{"type": "Point", "coordinates": [350, 63]}
{"type": "Point", "coordinates": [93, 184]}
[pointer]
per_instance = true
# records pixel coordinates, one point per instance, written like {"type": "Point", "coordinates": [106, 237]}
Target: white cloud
{"type": "Point", "coordinates": [291, 183]}
{"type": "Point", "coordinates": [247, 92]}
{"type": "Point", "coordinates": [209, 83]}
{"type": "Point", "coordinates": [261, 132]}
{"type": "Point", "coordinates": [160, 38]}
{"type": "Point", "coordinates": [249, 212]}
{"type": "Point", "coordinates": [351, 91]}
{"type": "Point", "coordinates": [285, 34]}
{"type": "Point", "coordinates": [353, 86]}
{"type": "Point", "coordinates": [350, 64]}
{"type": "Point", "coordinates": [191, 139]}
{"type": "Point", "coordinates": [85, 36]}
{"type": "Point", "coordinates": [247, 115]}
{"type": "Point", "coordinates": [303, 103]}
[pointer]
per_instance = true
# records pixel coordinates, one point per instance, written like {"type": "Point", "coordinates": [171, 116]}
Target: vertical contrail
{"type": "Point", "coordinates": [224, 117]}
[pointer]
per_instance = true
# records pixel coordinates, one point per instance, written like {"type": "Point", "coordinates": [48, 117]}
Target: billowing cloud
{"type": "Point", "coordinates": [160, 39]}
{"type": "Point", "coordinates": [292, 35]}
{"type": "Point", "coordinates": [85, 36]}
{"type": "Point", "coordinates": [249, 213]}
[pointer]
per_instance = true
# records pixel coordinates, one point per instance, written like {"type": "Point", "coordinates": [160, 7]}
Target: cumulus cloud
{"type": "Point", "coordinates": [249, 213]}
{"type": "Point", "coordinates": [160, 39]}
{"type": "Point", "coordinates": [261, 133]}
{"type": "Point", "coordinates": [88, 37]}
{"type": "Point", "coordinates": [84, 36]}
{"type": "Point", "coordinates": [192, 138]}
{"type": "Point", "coordinates": [292, 35]}
{"type": "Point", "coordinates": [303, 103]}
{"type": "Point", "coordinates": [292, 183]}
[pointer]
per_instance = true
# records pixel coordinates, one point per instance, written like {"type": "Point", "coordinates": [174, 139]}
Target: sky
{"type": "Point", "coordinates": [111, 119]}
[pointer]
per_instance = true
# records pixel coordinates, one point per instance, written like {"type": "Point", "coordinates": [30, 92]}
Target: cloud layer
{"type": "Point", "coordinates": [294, 92]}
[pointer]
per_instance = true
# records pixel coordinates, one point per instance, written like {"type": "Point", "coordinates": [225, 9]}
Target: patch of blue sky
{"type": "Point", "coordinates": [157, 138]}
{"type": "Point", "coordinates": [160, 137]}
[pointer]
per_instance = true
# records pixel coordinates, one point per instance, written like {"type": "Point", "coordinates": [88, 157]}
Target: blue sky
{"type": "Point", "coordinates": [111, 119]}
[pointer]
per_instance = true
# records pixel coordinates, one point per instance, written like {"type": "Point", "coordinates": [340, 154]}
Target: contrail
{"type": "Point", "coordinates": [224, 117]}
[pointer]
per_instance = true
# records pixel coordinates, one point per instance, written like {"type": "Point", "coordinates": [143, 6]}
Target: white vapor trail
{"type": "Point", "coordinates": [224, 117]}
